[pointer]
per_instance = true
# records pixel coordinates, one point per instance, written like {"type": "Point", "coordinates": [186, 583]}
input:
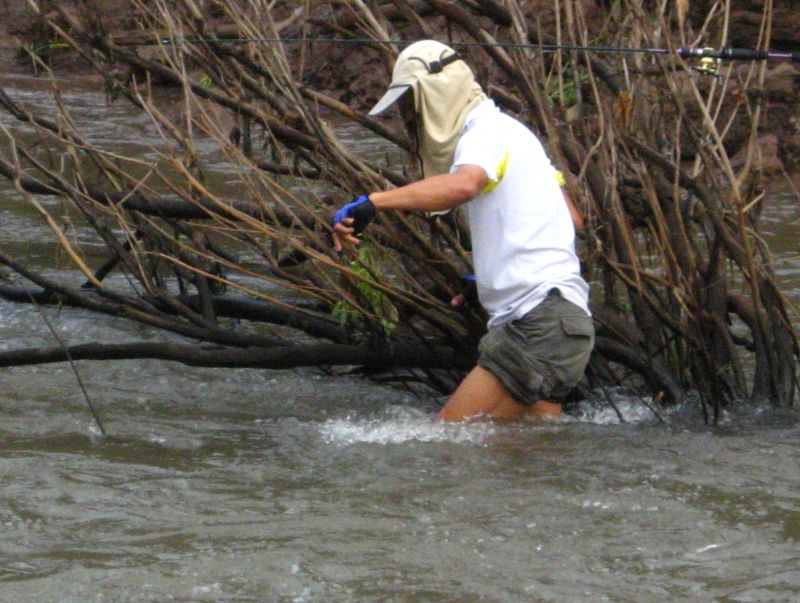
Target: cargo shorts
{"type": "Point", "coordinates": [542, 355]}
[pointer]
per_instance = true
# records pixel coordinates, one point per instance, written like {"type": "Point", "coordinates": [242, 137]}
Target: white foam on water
{"type": "Point", "coordinates": [206, 589]}
{"type": "Point", "coordinates": [634, 409]}
{"type": "Point", "coordinates": [399, 424]}
{"type": "Point", "coordinates": [709, 547]}
{"type": "Point", "coordinates": [95, 434]}
{"type": "Point", "coordinates": [402, 426]}
{"type": "Point", "coordinates": [606, 415]}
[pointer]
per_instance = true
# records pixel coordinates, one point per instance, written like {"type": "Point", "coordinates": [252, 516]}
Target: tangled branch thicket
{"type": "Point", "coordinates": [684, 296]}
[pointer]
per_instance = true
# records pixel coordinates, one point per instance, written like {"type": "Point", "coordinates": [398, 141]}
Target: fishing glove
{"type": "Point", "coordinates": [470, 288]}
{"type": "Point", "coordinates": [361, 210]}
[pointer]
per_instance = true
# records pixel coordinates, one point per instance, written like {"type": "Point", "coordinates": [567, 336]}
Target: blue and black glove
{"type": "Point", "coordinates": [361, 210]}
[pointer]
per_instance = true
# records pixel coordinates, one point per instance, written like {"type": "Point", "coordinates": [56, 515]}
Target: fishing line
{"type": "Point", "coordinates": [98, 421]}
{"type": "Point", "coordinates": [732, 54]}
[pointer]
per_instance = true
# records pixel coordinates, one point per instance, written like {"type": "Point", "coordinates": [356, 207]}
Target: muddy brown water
{"type": "Point", "coordinates": [238, 485]}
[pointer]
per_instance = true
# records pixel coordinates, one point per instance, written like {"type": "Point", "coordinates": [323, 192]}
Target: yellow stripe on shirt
{"type": "Point", "coordinates": [500, 173]}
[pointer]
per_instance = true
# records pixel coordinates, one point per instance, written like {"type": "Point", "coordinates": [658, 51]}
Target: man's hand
{"type": "Point", "coordinates": [351, 220]}
{"type": "Point", "coordinates": [470, 292]}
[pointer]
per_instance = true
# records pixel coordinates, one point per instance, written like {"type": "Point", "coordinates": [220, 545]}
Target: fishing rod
{"type": "Point", "coordinates": [709, 59]}
{"type": "Point", "coordinates": [729, 54]}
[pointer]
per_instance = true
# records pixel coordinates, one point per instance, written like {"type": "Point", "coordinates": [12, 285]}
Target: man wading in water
{"type": "Point", "coordinates": [523, 239]}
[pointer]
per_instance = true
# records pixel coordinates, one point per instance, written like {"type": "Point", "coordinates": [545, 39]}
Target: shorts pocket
{"type": "Point", "coordinates": [577, 326]}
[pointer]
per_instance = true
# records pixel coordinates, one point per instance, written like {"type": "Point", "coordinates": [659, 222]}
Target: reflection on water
{"type": "Point", "coordinates": [236, 485]}
{"type": "Point", "coordinates": [779, 223]}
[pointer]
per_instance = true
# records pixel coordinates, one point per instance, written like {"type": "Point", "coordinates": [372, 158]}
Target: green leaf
{"type": "Point", "coordinates": [368, 267]}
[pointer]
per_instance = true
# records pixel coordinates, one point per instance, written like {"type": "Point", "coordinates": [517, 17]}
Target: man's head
{"type": "Point", "coordinates": [419, 61]}
{"type": "Point", "coordinates": [443, 91]}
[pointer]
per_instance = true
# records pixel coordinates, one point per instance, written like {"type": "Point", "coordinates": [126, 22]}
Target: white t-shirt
{"type": "Point", "coordinates": [523, 239]}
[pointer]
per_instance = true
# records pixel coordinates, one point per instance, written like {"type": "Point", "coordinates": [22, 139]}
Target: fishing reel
{"type": "Point", "coordinates": [710, 59]}
{"type": "Point", "coordinates": [708, 65]}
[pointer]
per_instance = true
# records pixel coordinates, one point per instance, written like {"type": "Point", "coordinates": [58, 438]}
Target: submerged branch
{"type": "Point", "coordinates": [372, 358]}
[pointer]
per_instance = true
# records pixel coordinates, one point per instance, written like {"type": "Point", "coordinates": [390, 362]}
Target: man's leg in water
{"type": "Point", "coordinates": [481, 393]}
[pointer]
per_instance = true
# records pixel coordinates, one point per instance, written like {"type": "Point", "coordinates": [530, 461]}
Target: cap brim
{"type": "Point", "coordinates": [388, 99]}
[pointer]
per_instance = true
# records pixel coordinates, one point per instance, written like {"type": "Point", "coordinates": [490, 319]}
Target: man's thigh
{"type": "Point", "coordinates": [481, 393]}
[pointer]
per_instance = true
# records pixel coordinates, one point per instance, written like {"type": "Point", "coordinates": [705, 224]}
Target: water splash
{"type": "Point", "coordinates": [399, 424]}
{"type": "Point", "coordinates": [404, 425]}
{"type": "Point", "coordinates": [613, 405]}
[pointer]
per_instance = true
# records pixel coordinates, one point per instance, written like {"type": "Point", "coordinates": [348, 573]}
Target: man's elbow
{"type": "Point", "coordinates": [471, 181]}
{"type": "Point", "coordinates": [467, 192]}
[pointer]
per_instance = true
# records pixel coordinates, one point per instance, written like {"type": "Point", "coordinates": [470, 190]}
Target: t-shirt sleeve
{"type": "Point", "coordinates": [479, 146]}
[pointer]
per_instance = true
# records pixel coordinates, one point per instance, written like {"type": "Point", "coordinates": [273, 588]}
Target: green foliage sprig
{"type": "Point", "coordinates": [368, 266]}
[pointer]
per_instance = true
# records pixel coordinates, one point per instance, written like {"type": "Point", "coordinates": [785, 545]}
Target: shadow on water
{"type": "Point", "coordinates": [236, 485]}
